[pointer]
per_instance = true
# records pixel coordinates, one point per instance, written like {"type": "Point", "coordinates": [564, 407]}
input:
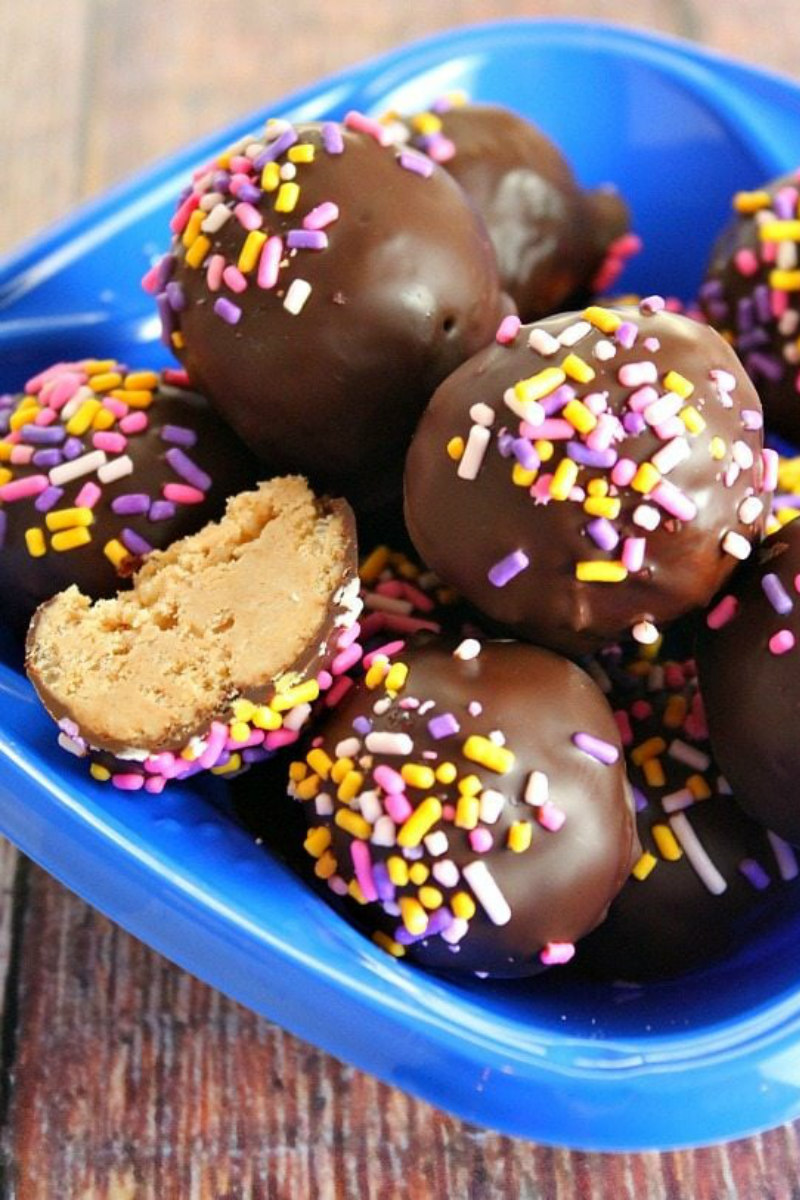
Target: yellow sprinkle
{"type": "Point", "coordinates": [601, 572]}
{"type": "Point", "coordinates": [398, 870]}
{"type": "Point", "coordinates": [239, 731]}
{"type": "Point", "coordinates": [34, 540]}
{"type": "Point", "coordinates": [135, 398]}
{"type": "Point", "coordinates": [265, 718]}
{"type": "Point", "coordinates": [785, 516]}
{"type": "Point", "coordinates": [288, 194]}
{"type": "Point", "coordinates": [426, 123]}
{"type": "Point", "coordinates": [304, 693]}
{"type": "Point", "coordinates": [243, 709]}
{"type": "Point", "coordinates": [576, 368]}
{"type": "Point", "coordinates": [5, 475]}
{"type": "Point", "coordinates": [250, 251]}
{"type": "Point", "coordinates": [354, 890]}
{"type": "Point", "coordinates": [446, 772]}
{"type": "Point", "coordinates": [308, 788]}
{"type": "Point", "coordinates": [418, 873]}
{"type": "Point", "coordinates": [396, 677]}
{"type": "Point", "coordinates": [102, 774]}
{"type": "Point", "coordinates": [519, 836]}
{"type": "Point", "coordinates": [341, 768]}
{"type": "Point", "coordinates": [304, 153]}
{"type": "Point", "coordinates": [455, 448]}
{"type": "Point", "coordinates": [271, 177]}
{"type": "Point", "coordinates": [692, 419]}
{"type": "Point", "coordinates": [666, 843]}
{"type": "Point", "coordinates": [750, 202]}
{"type": "Point", "coordinates": [297, 771]}
{"type": "Point", "coordinates": [325, 866]}
{"type": "Point", "coordinates": [483, 751]}
{"type": "Point", "coordinates": [779, 231]}
{"type": "Point", "coordinates": [602, 506]}
{"type": "Point", "coordinates": [522, 478]}
{"type": "Point", "coordinates": [717, 448]}
{"type": "Point", "coordinates": [654, 773]}
{"type": "Point", "coordinates": [597, 487]}
{"type": "Point", "coordinates": [116, 553]}
{"type": "Point", "coordinates": [468, 811]}
{"type": "Point", "coordinates": [419, 823]}
{"type": "Point", "coordinates": [430, 897]}
{"type": "Point", "coordinates": [564, 478]}
{"type": "Point", "coordinates": [233, 764]}
{"type": "Point", "coordinates": [317, 841]}
{"type": "Point", "coordinates": [68, 518]}
{"type": "Point", "coordinates": [106, 381]}
{"type": "Point", "coordinates": [6, 448]}
{"type": "Point", "coordinates": [373, 564]}
{"type": "Point", "coordinates": [675, 382]}
{"type": "Point", "coordinates": [463, 906]}
{"type": "Point", "coordinates": [80, 421]}
{"type": "Point", "coordinates": [418, 776]}
{"type": "Point", "coordinates": [178, 340]}
{"type": "Point", "coordinates": [350, 786]}
{"type": "Point", "coordinates": [388, 944]}
{"type": "Point", "coordinates": [196, 254]}
{"type": "Point", "coordinates": [192, 228]}
{"type": "Point", "coordinates": [377, 672]}
{"type": "Point", "coordinates": [539, 385]}
{"type": "Point", "coordinates": [602, 318]}
{"type": "Point", "coordinates": [319, 761]}
{"type": "Point", "coordinates": [71, 539]}
{"type": "Point", "coordinates": [353, 823]}
{"type": "Point", "coordinates": [104, 420]}
{"type": "Point", "coordinates": [579, 416]}
{"type": "Point", "coordinates": [675, 712]}
{"type": "Point", "coordinates": [141, 381]}
{"type": "Point", "coordinates": [646, 750]}
{"type": "Point", "coordinates": [645, 479]}
{"type": "Point", "coordinates": [785, 281]}
{"type": "Point", "coordinates": [544, 449]}
{"type": "Point", "coordinates": [643, 866]}
{"type": "Point", "coordinates": [413, 914]}
{"type": "Point", "coordinates": [698, 786]}
{"type": "Point", "coordinates": [469, 785]}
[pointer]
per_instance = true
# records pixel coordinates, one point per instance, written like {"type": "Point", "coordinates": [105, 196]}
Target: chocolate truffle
{"type": "Point", "coordinates": [473, 801]}
{"type": "Point", "coordinates": [592, 474]}
{"type": "Point", "coordinates": [751, 294]}
{"type": "Point", "coordinates": [321, 284]}
{"type": "Point", "coordinates": [550, 236]}
{"type": "Point", "coordinates": [749, 662]}
{"type": "Point", "coordinates": [707, 872]}
{"type": "Point", "coordinates": [215, 657]}
{"type": "Point", "coordinates": [100, 465]}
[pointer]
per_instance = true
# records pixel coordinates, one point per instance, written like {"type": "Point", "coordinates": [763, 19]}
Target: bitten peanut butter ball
{"type": "Point", "coordinates": [321, 284]}
{"type": "Point", "coordinates": [594, 474]}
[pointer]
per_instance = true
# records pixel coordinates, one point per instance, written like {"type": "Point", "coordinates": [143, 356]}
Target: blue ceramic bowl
{"type": "Point", "coordinates": [713, 1056]}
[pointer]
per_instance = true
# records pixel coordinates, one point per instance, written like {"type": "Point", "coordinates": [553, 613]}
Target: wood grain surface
{"type": "Point", "coordinates": [123, 1077]}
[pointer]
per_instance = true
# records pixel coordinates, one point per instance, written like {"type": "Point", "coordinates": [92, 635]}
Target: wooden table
{"type": "Point", "coordinates": [122, 1076]}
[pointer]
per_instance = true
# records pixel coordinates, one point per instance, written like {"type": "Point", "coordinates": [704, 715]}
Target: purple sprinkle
{"type": "Point", "coordinates": [786, 500]}
{"type": "Point", "coordinates": [164, 271]}
{"type": "Point", "coordinates": [383, 884]}
{"type": "Point", "coordinates": [307, 239]}
{"type": "Point", "coordinates": [46, 499]}
{"type": "Point", "coordinates": [47, 458]}
{"type": "Point", "coordinates": [161, 510]}
{"type": "Point", "coordinates": [178, 434]}
{"type": "Point", "coordinates": [525, 454]}
{"type": "Point", "coordinates": [652, 304]}
{"type": "Point", "coordinates": [745, 315]}
{"type": "Point", "coordinates": [130, 504]}
{"type": "Point", "coordinates": [445, 725]}
{"type": "Point", "coordinates": [249, 193]}
{"type": "Point", "coordinates": [554, 403]}
{"type": "Point", "coordinates": [167, 318]}
{"type": "Point", "coordinates": [176, 296]}
{"type": "Point", "coordinates": [633, 423]}
{"type": "Point", "coordinates": [764, 364]}
{"type": "Point", "coordinates": [3, 527]}
{"type": "Point", "coordinates": [507, 568]}
{"type": "Point", "coordinates": [751, 419]}
{"type": "Point", "coordinates": [256, 754]}
{"type": "Point", "coordinates": [505, 443]}
{"type": "Point", "coordinates": [639, 799]}
{"type": "Point", "coordinates": [754, 873]}
{"type": "Point", "coordinates": [332, 137]}
{"type": "Point", "coordinates": [596, 748]}
{"type": "Point", "coordinates": [785, 203]}
{"type": "Point", "coordinates": [43, 435]}
{"type": "Point", "coordinates": [137, 545]}
{"type": "Point", "coordinates": [73, 447]}
{"type": "Point", "coordinates": [416, 163]}
{"type": "Point", "coordinates": [182, 465]}
{"type": "Point", "coordinates": [221, 181]}
{"type": "Point", "coordinates": [711, 289]}
{"type": "Point", "coordinates": [8, 400]}
{"type": "Point", "coordinates": [718, 310]}
{"type": "Point", "coordinates": [438, 921]}
{"type": "Point", "coordinates": [362, 725]}
{"type": "Point", "coordinates": [227, 310]}
{"type": "Point", "coordinates": [763, 305]}
{"type": "Point", "coordinates": [603, 533]}
{"type": "Point", "coordinates": [777, 595]}
{"type": "Point", "coordinates": [275, 149]}
{"type": "Point", "coordinates": [626, 334]}
{"type": "Point", "coordinates": [591, 458]}
{"type": "Point", "coordinates": [752, 341]}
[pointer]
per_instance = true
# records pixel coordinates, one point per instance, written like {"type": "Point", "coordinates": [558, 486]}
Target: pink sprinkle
{"type": "Point", "coordinates": [181, 493]}
{"type": "Point", "coordinates": [507, 330]}
{"type": "Point", "coordinates": [155, 784]}
{"type": "Point", "coordinates": [215, 744]}
{"type": "Point", "coordinates": [184, 211]}
{"type": "Point", "coordinates": [624, 726]}
{"type": "Point", "coordinates": [348, 636]}
{"type": "Point", "coordinates": [362, 864]}
{"type": "Point", "coordinates": [390, 780]}
{"type": "Point", "coordinates": [115, 406]}
{"type": "Point", "coordinates": [45, 416]}
{"type": "Point", "coordinates": [130, 782]}
{"type": "Point", "coordinates": [550, 816]}
{"type": "Point", "coordinates": [398, 808]}
{"type": "Point", "coordinates": [21, 455]}
{"type": "Point", "coordinates": [113, 443]}
{"type": "Point", "coordinates": [641, 710]}
{"type": "Point", "coordinates": [338, 691]}
{"type": "Point", "coordinates": [746, 262]}
{"type": "Point", "coordinates": [248, 217]}
{"type": "Point", "coordinates": [240, 164]}
{"type": "Point", "coordinates": [233, 278]}
{"type": "Point", "coordinates": [150, 280]}
{"type": "Point", "coordinates": [23, 489]}
{"type": "Point", "coordinates": [481, 840]}
{"type": "Point", "coordinates": [632, 556]}
{"type": "Point", "coordinates": [255, 739]}
{"type": "Point", "coordinates": [63, 389]}
{"type": "Point", "coordinates": [673, 501]}
{"type": "Point", "coordinates": [324, 680]}
{"type": "Point", "coordinates": [636, 374]}
{"type": "Point", "coordinates": [556, 953]}
{"type": "Point", "coordinates": [214, 272]}
{"type": "Point", "coordinates": [781, 642]}
{"type": "Point", "coordinates": [553, 430]}
{"type": "Point", "coordinates": [386, 651]}
{"type": "Point", "coordinates": [722, 613]}
{"type": "Point", "coordinates": [88, 496]}
{"type": "Point", "coordinates": [346, 659]}
{"type": "Point", "coordinates": [321, 216]}
{"type": "Point", "coordinates": [279, 738]}
{"type": "Point", "coordinates": [623, 472]}
{"type": "Point", "coordinates": [364, 124]}
{"type": "Point", "coordinates": [769, 459]}
{"type": "Point", "coordinates": [269, 264]}
{"type": "Point", "coordinates": [779, 303]}
{"type": "Point", "coordinates": [641, 399]}
{"type": "Point", "coordinates": [596, 403]}
{"type": "Point", "coordinates": [135, 422]}
{"type": "Point", "coordinates": [540, 490]}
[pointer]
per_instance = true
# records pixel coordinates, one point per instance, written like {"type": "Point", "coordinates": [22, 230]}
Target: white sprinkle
{"type": "Point", "coordinates": [791, 354]}
{"type": "Point", "coordinates": [750, 510]}
{"type": "Point", "coordinates": [370, 805]}
{"type": "Point", "coordinates": [455, 931]}
{"type": "Point", "coordinates": [690, 756]}
{"type": "Point", "coordinates": [543, 342]}
{"type": "Point", "coordinates": [732, 474]}
{"type": "Point", "coordinates": [604, 350]}
{"type": "Point", "coordinates": [789, 322]}
{"type": "Point", "coordinates": [574, 333]}
{"type": "Point", "coordinates": [537, 789]}
{"type": "Point", "coordinates": [216, 218]}
{"type": "Point", "coordinates": [389, 743]}
{"type": "Point", "coordinates": [743, 455]}
{"type": "Point", "coordinates": [347, 748]}
{"type": "Point", "coordinates": [737, 546]}
{"type": "Point", "coordinates": [645, 633]}
{"type": "Point", "coordinates": [383, 832]}
{"type": "Point", "coordinates": [492, 804]}
{"type": "Point", "coordinates": [72, 747]}
{"type": "Point", "coordinates": [382, 706]}
{"type": "Point", "coordinates": [527, 410]}
{"type": "Point", "coordinates": [677, 450]}
{"type": "Point", "coordinates": [468, 649]}
{"type": "Point", "coordinates": [646, 517]}
{"type": "Point", "coordinates": [785, 857]}
{"type": "Point", "coordinates": [471, 460]}
{"type": "Point", "coordinates": [288, 171]}
{"type": "Point", "coordinates": [72, 405]}
{"type": "Point", "coordinates": [296, 296]}
{"type": "Point", "coordinates": [85, 465]}
{"type": "Point", "coordinates": [323, 804]}
{"type": "Point", "coordinates": [676, 801]}
{"type": "Point", "coordinates": [296, 717]}
{"type": "Point", "coordinates": [487, 892]}
{"type": "Point", "coordinates": [116, 469]}
{"type": "Point", "coordinates": [445, 872]}
{"type": "Point", "coordinates": [474, 708]}
{"type": "Point", "coordinates": [436, 843]}
{"type": "Point", "coordinates": [482, 414]}
{"type": "Point", "coordinates": [210, 201]}
{"type": "Point", "coordinates": [391, 604]}
{"type": "Point", "coordinates": [497, 737]}
{"type": "Point", "coordinates": [696, 854]}
{"type": "Point", "coordinates": [786, 257]}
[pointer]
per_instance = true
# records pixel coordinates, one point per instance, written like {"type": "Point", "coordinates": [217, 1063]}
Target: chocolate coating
{"type": "Point", "coordinates": [550, 236]}
{"type": "Point", "coordinates": [159, 457]}
{"type": "Point", "coordinates": [671, 917]}
{"type": "Point", "coordinates": [751, 295]}
{"type": "Point", "coordinates": [404, 288]}
{"type": "Point", "coordinates": [748, 660]}
{"type": "Point", "coordinates": [465, 528]}
{"type": "Point", "coordinates": [556, 889]}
